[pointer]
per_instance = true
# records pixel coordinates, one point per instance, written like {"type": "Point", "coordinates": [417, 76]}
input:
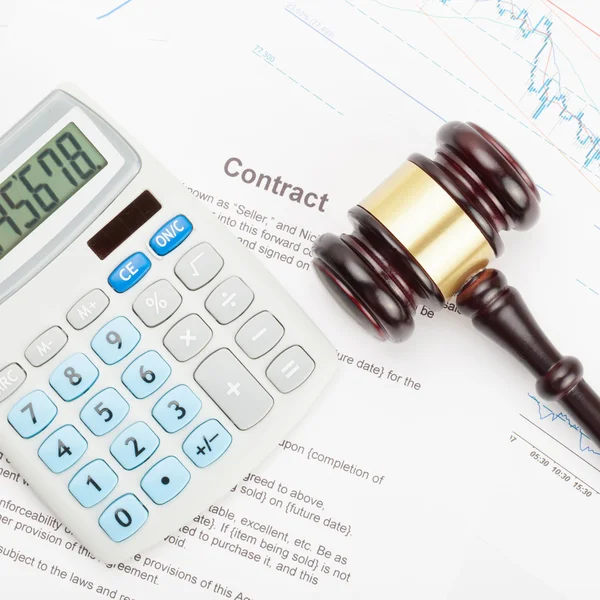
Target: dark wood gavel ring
{"type": "Point", "coordinates": [427, 233]}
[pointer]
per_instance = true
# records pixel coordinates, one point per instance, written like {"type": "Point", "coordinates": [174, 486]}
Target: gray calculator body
{"type": "Point", "coordinates": [148, 360]}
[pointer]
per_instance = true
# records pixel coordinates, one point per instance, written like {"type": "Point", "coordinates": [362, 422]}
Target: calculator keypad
{"type": "Point", "coordinates": [46, 346]}
{"type": "Point", "coordinates": [199, 266]}
{"type": "Point", "coordinates": [32, 414]}
{"type": "Point", "coordinates": [134, 446]}
{"type": "Point", "coordinates": [104, 412]}
{"type": "Point", "coordinates": [123, 518]}
{"type": "Point", "coordinates": [187, 338]}
{"type": "Point", "coordinates": [165, 480]}
{"type": "Point", "coordinates": [207, 443]}
{"type": "Point", "coordinates": [146, 374]}
{"type": "Point", "coordinates": [223, 377]}
{"type": "Point", "coordinates": [74, 377]}
{"type": "Point", "coordinates": [63, 449]}
{"type": "Point", "coordinates": [88, 309]}
{"type": "Point", "coordinates": [157, 303]}
{"type": "Point", "coordinates": [93, 483]}
{"type": "Point", "coordinates": [220, 375]}
{"type": "Point", "coordinates": [116, 340]}
{"type": "Point", "coordinates": [176, 409]}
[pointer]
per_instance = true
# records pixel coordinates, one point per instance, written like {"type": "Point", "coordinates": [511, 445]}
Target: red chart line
{"type": "Point", "coordinates": [573, 17]}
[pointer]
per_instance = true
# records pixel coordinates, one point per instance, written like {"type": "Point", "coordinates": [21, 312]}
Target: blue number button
{"type": "Point", "coordinates": [146, 374]}
{"type": "Point", "coordinates": [63, 449]}
{"type": "Point", "coordinates": [74, 377]}
{"type": "Point", "coordinates": [93, 483]}
{"type": "Point", "coordinates": [134, 446]}
{"type": "Point", "coordinates": [129, 272]}
{"type": "Point", "coordinates": [116, 340]}
{"type": "Point", "coordinates": [207, 443]}
{"type": "Point", "coordinates": [123, 518]}
{"type": "Point", "coordinates": [165, 480]}
{"type": "Point", "coordinates": [176, 409]}
{"type": "Point", "coordinates": [171, 235]}
{"type": "Point", "coordinates": [104, 411]}
{"type": "Point", "coordinates": [32, 414]}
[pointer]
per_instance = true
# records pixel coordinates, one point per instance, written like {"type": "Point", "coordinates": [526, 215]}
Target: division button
{"type": "Point", "coordinates": [46, 346]}
{"type": "Point", "coordinates": [12, 378]}
{"type": "Point", "coordinates": [223, 377]}
{"type": "Point", "coordinates": [260, 334]}
{"type": "Point", "coordinates": [290, 369]}
{"type": "Point", "coordinates": [187, 338]}
{"type": "Point", "coordinates": [88, 309]}
{"type": "Point", "coordinates": [229, 300]}
{"type": "Point", "coordinates": [199, 266]}
{"type": "Point", "coordinates": [157, 303]}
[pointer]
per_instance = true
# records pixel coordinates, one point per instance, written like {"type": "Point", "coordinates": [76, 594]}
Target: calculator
{"type": "Point", "coordinates": [148, 360]}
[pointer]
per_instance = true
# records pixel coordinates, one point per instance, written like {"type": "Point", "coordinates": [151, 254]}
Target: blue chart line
{"type": "Point", "coordinates": [114, 10]}
{"type": "Point", "coordinates": [547, 413]}
{"type": "Point", "coordinates": [367, 66]}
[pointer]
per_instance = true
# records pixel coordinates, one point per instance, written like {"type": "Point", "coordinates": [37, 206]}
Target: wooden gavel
{"type": "Point", "coordinates": [427, 233]}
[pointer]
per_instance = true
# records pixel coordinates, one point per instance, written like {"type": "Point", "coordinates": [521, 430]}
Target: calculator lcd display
{"type": "Point", "coordinates": [44, 182]}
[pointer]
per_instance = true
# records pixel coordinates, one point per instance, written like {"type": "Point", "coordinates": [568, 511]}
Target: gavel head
{"type": "Point", "coordinates": [426, 230]}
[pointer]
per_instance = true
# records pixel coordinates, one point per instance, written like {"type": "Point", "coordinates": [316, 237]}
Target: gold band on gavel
{"type": "Point", "coordinates": [431, 226]}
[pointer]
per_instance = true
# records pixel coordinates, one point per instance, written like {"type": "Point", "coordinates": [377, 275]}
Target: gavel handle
{"type": "Point", "coordinates": [499, 311]}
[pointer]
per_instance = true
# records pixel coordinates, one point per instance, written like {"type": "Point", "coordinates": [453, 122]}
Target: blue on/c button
{"type": "Point", "coordinates": [129, 272]}
{"type": "Point", "coordinates": [170, 235]}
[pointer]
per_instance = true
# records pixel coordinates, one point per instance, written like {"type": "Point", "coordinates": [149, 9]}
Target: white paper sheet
{"type": "Point", "coordinates": [466, 488]}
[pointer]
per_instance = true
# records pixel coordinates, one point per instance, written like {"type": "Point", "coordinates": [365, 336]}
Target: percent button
{"type": "Point", "coordinates": [157, 303]}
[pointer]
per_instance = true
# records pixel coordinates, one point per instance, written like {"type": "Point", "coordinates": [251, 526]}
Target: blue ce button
{"type": "Point", "coordinates": [129, 272]}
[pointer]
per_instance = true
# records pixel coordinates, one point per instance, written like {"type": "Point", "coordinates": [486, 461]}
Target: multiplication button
{"type": "Point", "coordinates": [223, 377]}
{"type": "Point", "coordinates": [199, 266]}
{"type": "Point", "coordinates": [229, 300]}
{"type": "Point", "coordinates": [187, 338]}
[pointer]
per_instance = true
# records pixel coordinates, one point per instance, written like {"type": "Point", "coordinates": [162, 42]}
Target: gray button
{"type": "Point", "coordinates": [223, 377]}
{"type": "Point", "coordinates": [187, 338]}
{"type": "Point", "coordinates": [47, 346]}
{"type": "Point", "coordinates": [199, 266]}
{"type": "Point", "coordinates": [259, 335]}
{"type": "Point", "coordinates": [88, 309]}
{"type": "Point", "coordinates": [290, 369]}
{"type": "Point", "coordinates": [229, 300]}
{"type": "Point", "coordinates": [157, 303]}
{"type": "Point", "coordinates": [11, 379]}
